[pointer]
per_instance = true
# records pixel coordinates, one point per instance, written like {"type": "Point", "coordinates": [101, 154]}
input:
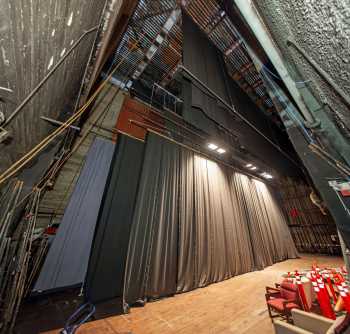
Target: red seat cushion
{"type": "Point", "coordinates": [289, 285]}
{"type": "Point", "coordinates": [289, 294]}
{"type": "Point", "coordinates": [289, 290]}
{"type": "Point", "coordinates": [277, 304]}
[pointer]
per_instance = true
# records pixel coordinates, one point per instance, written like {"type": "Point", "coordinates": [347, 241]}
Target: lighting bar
{"type": "Point", "coordinates": [216, 148]}
{"type": "Point", "coordinates": [220, 150]}
{"type": "Point", "coordinates": [159, 39]}
{"type": "Point", "coordinates": [151, 51]}
{"type": "Point", "coordinates": [212, 146]}
{"type": "Point", "coordinates": [267, 175]}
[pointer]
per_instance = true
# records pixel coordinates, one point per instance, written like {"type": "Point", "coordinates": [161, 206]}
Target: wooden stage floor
{"type": "Point", "coordinates": [236, 305]}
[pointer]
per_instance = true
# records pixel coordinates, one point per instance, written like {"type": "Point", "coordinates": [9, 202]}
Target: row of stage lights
{"type": "Point", "coordinates": [216, 148]}
{"type": "Point", "coordinates": [264, 174]}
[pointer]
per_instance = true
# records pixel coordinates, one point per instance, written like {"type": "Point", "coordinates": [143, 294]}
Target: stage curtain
{"type": "Point", "coordinates": [198, 222]}
{"type": "Point", "coordinates": [152, 256]}
{"type": "Point", "coordinates": [67, 259]}
{"type": "Point", "coordinates": [106, 270]}
{"type": "Point", "coordinates": [204, 112]}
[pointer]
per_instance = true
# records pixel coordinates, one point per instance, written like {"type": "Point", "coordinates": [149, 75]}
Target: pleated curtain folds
{"type": "Point", "coordinates": [152, 256]}
{"type": "Point", "coordinates": [67, 260]}
{"type": "Point", "coordinates": [197, 222]}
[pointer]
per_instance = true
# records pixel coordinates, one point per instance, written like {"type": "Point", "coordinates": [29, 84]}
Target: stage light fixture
{"type": "Point", "coordinates": [267, 175]}
{"type": "Point", "coordinates": [159, 39]}
{"type": "Point", "coordinates": [253, 168]}
{"type": "Point", "coordinates": [212, 146]}
{"type": "Point", "coordinates": [220, 150]}
{"type": "Point", "coordinates": [249, 165]}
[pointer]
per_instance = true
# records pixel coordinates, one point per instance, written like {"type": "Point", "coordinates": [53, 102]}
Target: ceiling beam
{"type": "Point", "coordinates": [235, 16]}
{"type": "Point", "coordinates": [116, 27]}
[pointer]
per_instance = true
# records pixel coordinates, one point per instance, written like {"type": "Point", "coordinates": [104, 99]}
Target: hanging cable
{"type": "Point", "coordinates": [252, 55]}
{"type": "Point", "coordinates": [78, 318]}
{"type": "Point", "coordinates": [313, 146]}
{"type": "Point", "coordinates": [291, 113]}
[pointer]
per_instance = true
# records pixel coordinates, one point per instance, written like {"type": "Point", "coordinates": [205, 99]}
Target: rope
{"type": "Point", "coordinates": [44, 143]}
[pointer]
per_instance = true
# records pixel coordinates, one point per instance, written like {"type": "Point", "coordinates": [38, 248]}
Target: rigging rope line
{"type": "Point", "coordinates": [44, 143]}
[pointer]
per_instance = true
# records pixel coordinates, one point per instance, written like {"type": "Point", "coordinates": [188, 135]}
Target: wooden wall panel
{"type": "Point", "coordinates": [135, 118]}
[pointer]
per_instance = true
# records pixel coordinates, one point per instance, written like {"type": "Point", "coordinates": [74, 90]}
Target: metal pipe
{"type": "Point", "coordinates": [6, 89]}
{"type": "Point", "coordinates": [50, 120]}
{"type": "Point", "coordinates": [207, 156]}
{"type": "Point", "coordinates": [233, 110]}
{"type": "Point", "coordinates": [339, 166]}
{"type": "Point", "coordinates": [161, 114]}
{"type": "Point", "coordinates": [183, 126]}
{"type": "Point", "coordinates": [320, 71]}
{"type": "Point", "coordinates": [167, 92]}
{"type": "Point", "coordinates": [47, 76]}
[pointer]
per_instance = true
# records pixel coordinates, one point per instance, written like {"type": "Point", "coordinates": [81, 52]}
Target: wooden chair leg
{"type": "Point", "coordinates": [269, 310]}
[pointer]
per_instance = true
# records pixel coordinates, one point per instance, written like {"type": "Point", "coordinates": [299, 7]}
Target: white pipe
{"type": "Point", "coordinates": [257, 25]}
{"type": "Point", "coordinates": [6, 89]}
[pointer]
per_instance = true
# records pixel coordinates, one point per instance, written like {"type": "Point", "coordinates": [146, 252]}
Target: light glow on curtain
{"type": "Point", "coordinates": [197, 222]}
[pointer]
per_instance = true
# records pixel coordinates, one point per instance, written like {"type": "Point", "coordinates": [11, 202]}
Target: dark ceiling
{"type": "Point", "coordinates": [34, 37]}
{"type": "Point", "coordinates": [149, 20]}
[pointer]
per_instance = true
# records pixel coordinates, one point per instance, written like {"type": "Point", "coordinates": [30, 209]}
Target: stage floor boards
{"type": "Point", "coordinates": [236, 305]}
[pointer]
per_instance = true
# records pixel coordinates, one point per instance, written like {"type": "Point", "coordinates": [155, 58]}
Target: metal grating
{"type": "Point", "coordinates": [147, 22]}
{"type": "Point", "coordinates": [221, 31]}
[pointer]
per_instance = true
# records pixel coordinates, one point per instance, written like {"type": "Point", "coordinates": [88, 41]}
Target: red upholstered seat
{"type": "Point", "coordinates": [286, 284]}
{"type": "Point", "coordinates": [289, 291]}
{"type": "Point", "coordinates": [282, 299]}
{"type": "Point", "coordinates": [277, 304]}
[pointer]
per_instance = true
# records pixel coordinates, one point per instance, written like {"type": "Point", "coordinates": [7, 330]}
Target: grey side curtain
{"type": "Point", "coordinates": [67, 259]}
{"type": "Point", "coordinates": [197, 222]}
{"type": "Point", "coordinates": [152, 256]}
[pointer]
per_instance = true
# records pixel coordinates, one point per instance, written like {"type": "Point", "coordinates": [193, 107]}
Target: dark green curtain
{"type": "Point", "coordinates": [106, 269]}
